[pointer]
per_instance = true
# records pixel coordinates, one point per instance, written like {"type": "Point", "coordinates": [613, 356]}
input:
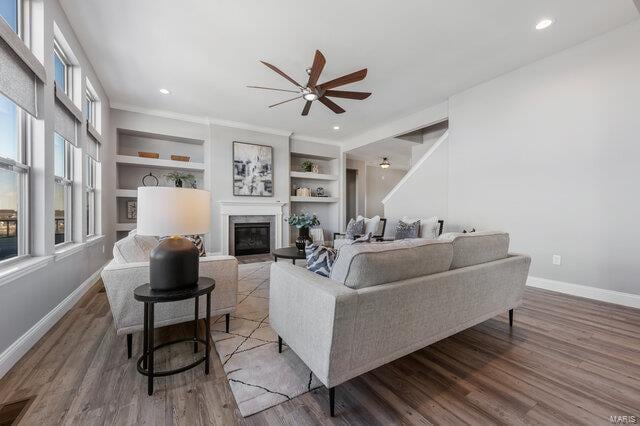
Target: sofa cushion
{"type": "Point", "coordinates": [429, 228]}
{"type": "Point", "coordinates": [354, 229]}
{"type": "Point", "coordinates": [365, 265]}
{"type": "Point", "coordinates": [479, 247]}
{"type": "Point", "coordinates": [405, 230]}
{"type": "Point", "coordinates": [133, 248]}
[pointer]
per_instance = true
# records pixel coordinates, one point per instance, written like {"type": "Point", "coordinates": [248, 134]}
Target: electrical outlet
{"type": "Point", "coordinates": [557, 259]}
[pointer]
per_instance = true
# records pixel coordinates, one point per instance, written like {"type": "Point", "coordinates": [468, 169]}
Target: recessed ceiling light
{"type": "Point", "coordinates": [336, 127]}
{"type": "Point", "coordinates": [545, 23]}
{"type": "Point", "coordinates": [164, 91]}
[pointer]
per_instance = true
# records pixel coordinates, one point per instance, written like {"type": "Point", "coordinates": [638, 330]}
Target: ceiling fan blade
{"type": "Point", "coordinates": [347, 94]}
{"type": "Point", "coordinates": [271, 88]}
{"type": "Point", "coordinates": [284, 102]}
{"type": "Point", "coordinates": [318, 64]}
{"type": "Point", "coordinates": [345, 79]}
{"type": "Point", "coordinates": [274, 68]}
{"type": "Point", "coordinates": [306, 108]}
{"type": "Point", "coordinates": [331, 105]}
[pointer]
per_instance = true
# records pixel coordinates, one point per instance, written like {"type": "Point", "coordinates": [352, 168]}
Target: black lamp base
{"type": "Point", "coordinates": [174, 264]}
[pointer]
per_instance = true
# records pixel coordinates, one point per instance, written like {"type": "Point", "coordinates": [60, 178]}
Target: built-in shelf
{"type": "Point", "coordinates": [158, 163]}
{"type": "Point", "coordinates": [125, 226]}
{"type": "Point", "coordinates": [295, 199]}
{"type": "Point", "coordinates": [127, 193]}
{"type": "Point", "coordinates": [314, 176]}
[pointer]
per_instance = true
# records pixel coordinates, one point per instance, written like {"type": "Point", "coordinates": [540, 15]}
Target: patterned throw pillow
{"type": "Point", "coordinates": [407, 230]}
{"type": "Point", "coordinates": [197, 241]}
{"type": "Point", "coordinates": [364, 239]}
{"type": "Point", "coordinates": [354, 229]}
{"type": "Point", "coordinates": [320, 259]}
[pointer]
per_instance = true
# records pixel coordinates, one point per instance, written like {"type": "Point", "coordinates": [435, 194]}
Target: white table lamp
{"type": "Point", "coordinates": [173, 212]}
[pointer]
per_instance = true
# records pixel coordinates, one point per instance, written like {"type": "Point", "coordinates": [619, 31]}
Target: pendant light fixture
{"type": "Point", "coordinates": [385, 163]}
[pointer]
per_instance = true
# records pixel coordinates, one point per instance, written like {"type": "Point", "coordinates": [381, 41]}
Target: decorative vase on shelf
{"type": "Point", "coordinates": [178, 183]}
{"type": "Point", "coordinates": [303, 237]}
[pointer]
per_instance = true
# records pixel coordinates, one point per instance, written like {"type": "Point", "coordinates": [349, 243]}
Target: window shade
{"type": "Point", "coordinates": [93, 149]}
{"type": "Point", "coordinates": [22, 73]}
{"type": "Point", "coordinates": [67, 116]}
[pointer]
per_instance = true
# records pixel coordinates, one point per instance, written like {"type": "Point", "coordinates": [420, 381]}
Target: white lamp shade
{"type": "Point", "coordinates": [164, 211]}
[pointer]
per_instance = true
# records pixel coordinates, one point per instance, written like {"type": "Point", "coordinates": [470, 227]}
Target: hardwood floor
{"type": "Point", "coordinates": [566, 361]}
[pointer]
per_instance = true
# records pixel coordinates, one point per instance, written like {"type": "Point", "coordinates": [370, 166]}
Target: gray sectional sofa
{"type": "Point", "coordinates": [386, 300]}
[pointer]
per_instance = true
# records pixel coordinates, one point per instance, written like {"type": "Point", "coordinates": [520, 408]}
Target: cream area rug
{"type": "Point", "coordinates": [259, 376]}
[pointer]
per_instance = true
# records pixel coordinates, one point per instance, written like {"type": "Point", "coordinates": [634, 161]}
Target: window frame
{"type": "Point", "coordinates": [68, 68]}
{"type": "Point", "coordinates": [19, 18]}
{"type": "Point", "coordinates": [67, 183]}
{"type": "Point", "coordinates": [91, 194]}
{"type": "Point", "coordinates": [21, 166]}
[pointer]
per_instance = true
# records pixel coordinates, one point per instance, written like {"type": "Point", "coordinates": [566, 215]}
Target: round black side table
{"type": "Point", "coordinates": [289, 253]}
{"type": "Point", "coordinates": [150, 297]}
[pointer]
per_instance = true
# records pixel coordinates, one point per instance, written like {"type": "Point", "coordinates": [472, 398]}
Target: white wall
{"type": "Point", "coordinates": [221, 164]}
{"type": "Point", "coordinates": [424, 193]}
{"type": "Point", "coordinates": [29, 298]}
{"type": "Point", "coordinates": [550, 153]}
{"type": "Point", "coordinates": [379, 182]}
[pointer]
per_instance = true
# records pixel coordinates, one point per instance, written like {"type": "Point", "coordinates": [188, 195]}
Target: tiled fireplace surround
{"type": "Point", "coordinates": [232, 212]}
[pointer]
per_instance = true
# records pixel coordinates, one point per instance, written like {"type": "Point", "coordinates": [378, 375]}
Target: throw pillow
{"type": "Point", "coordinates": [370, 225]}
{"type": "Point", "coordinates": [366, 238]}
{"type": "Point", "coordinates": [320, 259]}
{"type": "Point", "coordinates": [406, 230]}
{"type": "Point", "coordinates": [134, 248]}
{"type": "Point", "coordinates": [355, 228]}
{"type": "Point", "coordinates": [429, 228]}
{"type": "Point", "coordinates": [197, 241]}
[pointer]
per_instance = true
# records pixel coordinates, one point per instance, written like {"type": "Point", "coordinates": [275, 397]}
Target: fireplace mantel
{"type": "Point", "coordinates": [250, 208]}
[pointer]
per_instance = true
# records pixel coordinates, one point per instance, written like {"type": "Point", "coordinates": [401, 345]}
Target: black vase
{"type": "Point", "coordinates": [178, 183]}
{"type": "Point", "coordinates": [303, 237]}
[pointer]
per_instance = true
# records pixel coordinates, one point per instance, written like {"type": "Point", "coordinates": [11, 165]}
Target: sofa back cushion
{"type": "Point", "coordinates": [133, 248]}
{"type": "Point", "coordinates": [479, 247]}
{"type": "Point", "coordinates": [365, 265]}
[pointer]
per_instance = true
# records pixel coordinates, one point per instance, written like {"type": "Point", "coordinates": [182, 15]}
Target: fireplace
{"type": "Point", "coordinates": [252, 238]}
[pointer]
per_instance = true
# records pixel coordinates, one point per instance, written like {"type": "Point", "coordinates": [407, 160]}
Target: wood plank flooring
{"type": "Point", "coordinates": [566, 361]}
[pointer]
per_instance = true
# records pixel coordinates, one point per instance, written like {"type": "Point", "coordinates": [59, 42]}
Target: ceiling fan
{"type": "Point", "coordinates": [320, 92]}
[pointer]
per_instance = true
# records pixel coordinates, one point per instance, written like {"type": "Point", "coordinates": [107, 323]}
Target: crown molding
{"type": "Point", "coordinates": [247, 126]}
{"type": "Point", "coordinates": [160, 113]}
{"type": "Point", "coordinates": [199, 119]}
{"type": "Point", "coordinates": [307, 138]}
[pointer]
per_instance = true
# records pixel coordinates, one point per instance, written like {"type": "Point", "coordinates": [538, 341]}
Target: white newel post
{"type": "Point", "coordinates": [250, 208]}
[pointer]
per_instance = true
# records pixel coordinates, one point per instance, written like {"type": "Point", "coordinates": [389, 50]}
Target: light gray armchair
{"type": "Point", "coordinates": [120, 279]}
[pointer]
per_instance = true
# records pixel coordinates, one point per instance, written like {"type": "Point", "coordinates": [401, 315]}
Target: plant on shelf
{"type": "Point", "coordinates": [303, 221]}
{"type": "Point", "coordinates": [179, 179]}
{"type": "Point", "coordinates": [307, 166]}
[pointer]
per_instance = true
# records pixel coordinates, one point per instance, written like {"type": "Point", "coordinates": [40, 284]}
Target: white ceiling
{"type": "Point", "coordinates": [419, 52]}
{"type": "Point", "coordinates": [397, 151]}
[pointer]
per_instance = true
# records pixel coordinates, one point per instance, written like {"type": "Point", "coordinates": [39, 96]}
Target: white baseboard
{"type": "Point", "coordinates": [21, 346]}
{"type": "Point", "coordinates": [610, 296]}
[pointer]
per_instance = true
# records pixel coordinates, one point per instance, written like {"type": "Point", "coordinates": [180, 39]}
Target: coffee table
{"type": "Point", "coordinates": [288, 253]}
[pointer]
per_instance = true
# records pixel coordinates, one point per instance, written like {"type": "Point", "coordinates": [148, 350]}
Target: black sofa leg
{"type": "Point", "coordinates": [129, 343]}
{"type": "Point", "coordinates": [332, 401]}
{"type": "Point", "coordinates": [279, 344]}
{"type": "Point", "coordinates": [510, 317]}
{"type": "Point", "coordinates": [227, 319]}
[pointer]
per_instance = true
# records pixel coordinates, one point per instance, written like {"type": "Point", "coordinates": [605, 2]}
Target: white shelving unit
{"type": "Point", "coordinates": [131, 168]}
{"type": "Point", "coordinates": [327, 209]}
{"type": "Point", "coordinates": [127, 193]}
{"type": "Point", "coordinates": [125, 227]}
{"type": "Point", "coordinates": [295, 199]}
{"type": "Point", "coordinates": [313, 176]}
{"type": "Point", "coordinates": [158, 163]}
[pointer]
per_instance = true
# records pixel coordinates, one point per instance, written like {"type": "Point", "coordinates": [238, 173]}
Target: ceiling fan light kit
{"type": "Point", "coordinates": [319, 92]}
{"type": "Point", "coordinates": [385, 163]}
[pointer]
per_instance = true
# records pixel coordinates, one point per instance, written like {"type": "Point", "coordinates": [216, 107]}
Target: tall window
{"type": "Point", "coordinates": [14, 174]}
{"type": "Point", "coordinates": [62, 195]}
{"type": "Point", "coordinates": [63, 70]}
{"type": "Point", "coordinates": [10, 12]}
{"type": "Point", "coordinates": [90, 208]}
{"type": "Point", "coordinates": [90, 109]}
